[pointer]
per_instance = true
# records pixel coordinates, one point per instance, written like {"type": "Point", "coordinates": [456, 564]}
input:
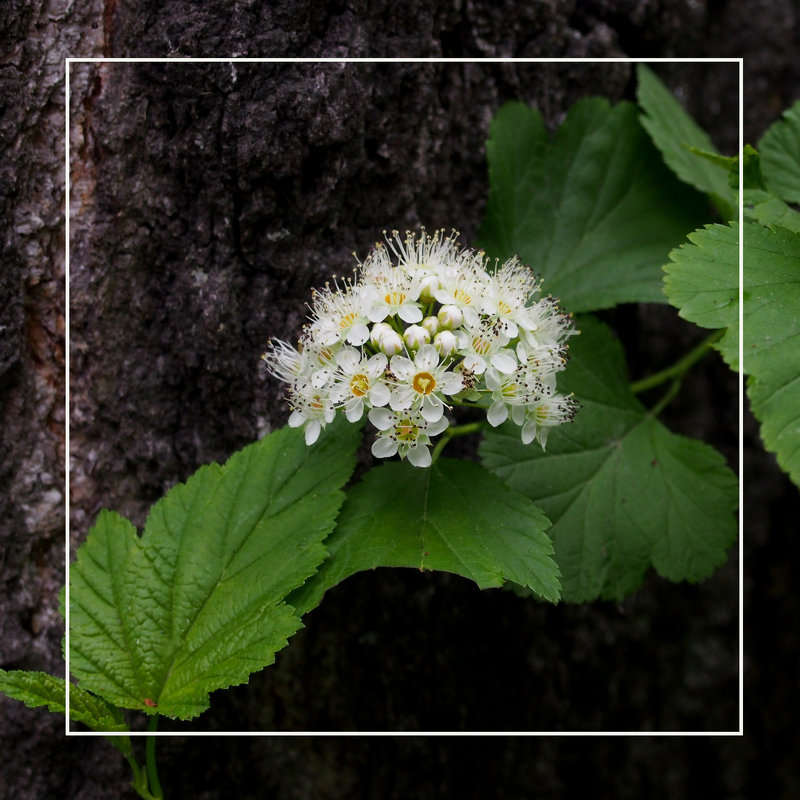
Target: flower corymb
{"type": "Point", "coordinates": [423, 326]}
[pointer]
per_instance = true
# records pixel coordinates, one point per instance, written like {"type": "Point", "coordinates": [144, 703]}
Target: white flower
{"type": "Point", "coordinates": [515, 392]}
{"type": "Point", "coordinates": [392, 292]}
{"type": "Point", "coordinates": [358, 380]}
{"type": "Point", "coordinates": [450, 317]}
{"type": "Point", "coordinates": [405, 432]}
{"type": "Point", "coordinates": [486, 344]}
{"type": "Point", "coordinates": [310, 407]}
{"type": "Point", "coordinates": [340, 314]}
{"type": "Point", "coordinates": [290, 365]}
{"type": "Point", "coordinates": [543, 415]}
{"type": "Point", "coordinates": [509, 290]}
{"type": "Point", "coordinates": [463, 285]}
{"type": "Point", "coordinates": [421, 383]}
{"type": "Point", "coordinates": [552, 324]}
{"type": "Point", "coordinates": [426, 255]}
{"type": "Point", "coordinates": [391, 342]}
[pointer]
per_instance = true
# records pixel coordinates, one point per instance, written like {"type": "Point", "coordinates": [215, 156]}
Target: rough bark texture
{"type": "Point", "coordinates": [207, 200]}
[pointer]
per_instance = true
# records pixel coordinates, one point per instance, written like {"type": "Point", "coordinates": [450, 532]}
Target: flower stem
{"type": "Point", "coordinates": [451, 433]}
{"type": "Point", "coordinates": [150, 760]}
{"type": "Point", "coordinates": [676, 371]}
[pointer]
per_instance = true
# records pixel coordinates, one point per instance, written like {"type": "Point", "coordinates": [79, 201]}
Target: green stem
{"type": "Point", "coordinates": [150, 760]}
{"type": "Point", "coordinates": [451, 433]}
{"type": "Point", "coordinates": [679, 368]}
{"type": "Point", "coordinates": [466, 403]}
{"type": "Point", "coordinates": [666, 399]}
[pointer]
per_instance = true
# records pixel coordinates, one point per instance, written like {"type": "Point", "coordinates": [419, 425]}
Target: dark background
{"type": "Point", "coordinates": [206, 200]}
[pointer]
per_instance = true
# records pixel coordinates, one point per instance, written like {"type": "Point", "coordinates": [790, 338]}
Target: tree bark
{"type": "Point", "coordinates": [206, 200]}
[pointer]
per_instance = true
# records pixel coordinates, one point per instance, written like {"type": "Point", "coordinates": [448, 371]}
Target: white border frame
{"type": "Point", "coordinates": [69, 61]}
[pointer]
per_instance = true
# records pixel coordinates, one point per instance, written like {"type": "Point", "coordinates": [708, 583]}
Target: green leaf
{"type": "Point", "coordinates": [37, 689]}
{"type": "Point", "coordinates": [766, 209]}
{"type": "Point", "coordinates": [780, 155]}
{"type": "Point", "coordinates": [674, 133]}
{"type": "Point", "coordinates": [197, 603]}
{"type": "Point", "coordinates": [594, 211]}
{"type": "Point", "coordinates": [623, 492]}
{"type": "Point", "coordinates": [772, 339]}
{"type": "Point", "coordinates": [454, 517]}
{"type": "Point", "coordinates": [702, 282]}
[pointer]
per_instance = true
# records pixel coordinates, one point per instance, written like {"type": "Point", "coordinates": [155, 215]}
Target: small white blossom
{"type": "Point", "coordinates": [545, 414]}
{"type": "Point", "coordinates": [359, 380]}
{"type": "Point", "coordinates": [485, 344]}
{"type": "Point", "coordinates": [405, 432]}
{"type": "Point", "coordinates": [310, 407]}
{"type": "Point", "coordinates": [422, 383]}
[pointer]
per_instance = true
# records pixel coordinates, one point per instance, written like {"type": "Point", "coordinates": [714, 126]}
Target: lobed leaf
{"type": "Point", "coordinates": [454, 516]}
{"type": "Point", "coordinates": [780, 155]}
{"type": "Point", "coordinates": [623, 492]}
{"type": "Point", "coordinates": [772, 339]}
{"type": "Point", "coordinates": [676, 135]}
{"type": "Point", "coordinates": [702, 282]}
{"type": "Point", "coordinates": [37, 689]}
{"type": "Point", "coordinates": [594, 211]}
{"type": "Point", "coordinates": [197, 603]}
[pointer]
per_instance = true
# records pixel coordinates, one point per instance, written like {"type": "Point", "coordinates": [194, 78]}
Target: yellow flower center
{"type": "Point", "coordinates": [317, 403]}
{"type": "Point", "coordinates": [394, 298]}
{"type": "Point", "coordinates": [481, 346]}
{"type": "Point", "coordinates": [503, 307]}
{"type": "Point", "coordinates": [406, 431]}
{"type": "Point", "coordinates": [462, 297]}
{"type": "Point", "coordinates": [424, 383]}
{"type": "Point", "coordinates": [359, 385]}
{"type": "Point", "coordinates": [348, 320]}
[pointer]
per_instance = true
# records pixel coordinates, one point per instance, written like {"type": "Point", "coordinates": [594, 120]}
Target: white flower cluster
{"type": "Point", "coordinates": [423, 326]}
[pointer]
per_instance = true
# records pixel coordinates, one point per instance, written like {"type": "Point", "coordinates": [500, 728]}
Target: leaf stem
{"type": "Point", "coordinates": [677, 370]}
{"type": "Point", "coordinates": [150, 760]}
{"type": "Point", "coordinates": [451, 433]}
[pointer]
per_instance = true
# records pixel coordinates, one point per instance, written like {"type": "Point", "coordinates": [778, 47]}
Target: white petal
{"type": "Point", "coordinates": [427, 357]}
{"type": "Point", "coordinates": [497, 413]}
{"type": "Point", "coordinates": [435, 428]}
{"type": "Point", "coordinates": [504, 362]}
{"type": "Point", "coordinates": [359, 334]}
{"type": "Point", "coordinates": [384, 447]}
{"type": "Point", "coordinates": [377, 364]}
{"type": "Point", "coordinates": [432, 408]}
{"type": "Point", "coordinates": [452, 383]}
{"type": "Point", "coordinates": [402, 367]}
{"type": "Point", "coordinates": [381, 418]}
{"type": "Point", "coordinates": [296, 419]}
{"type": "Point", "coordinates": [528, 432]}
{"type": "Point", "coordinates": [474, 363]}
{"type": "Point", "coordinates": [379, 394]}
{"type": "Point", "coordinates": [354, 409]}
{"type": "Point", "coordinates": [518, 414]}
{"type": "Point", "coordinates": [378, 312]}
{"type": "Point", "coordinates": [492, 379]}
{"type": "Point", "coordinates": [409, 313]}
{"type": "Point", "coordinates": [419, 455]}
{"type": "Point", "coordinates": [348, 358]}
{"type": "Point", "coordinates": [401, 398]}
{"type": "Point", "coordinates": [312, 431]}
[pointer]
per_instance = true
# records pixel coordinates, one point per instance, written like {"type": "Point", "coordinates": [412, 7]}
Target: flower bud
{"type": "Point", "coordinates": [416, 336]}
{"type": "Point", "coordinates": [379, 329]}
{"type": "Point", "coordinates": [431, 324]}
{"type": "Point", "coordinates": [450, 317]}
{"type": "Point", "coordinates": [428, 287]}
{"type": "Point", "coordinates": [391, 343]}
{"type": "Point", "coordinates": [445, 342]}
